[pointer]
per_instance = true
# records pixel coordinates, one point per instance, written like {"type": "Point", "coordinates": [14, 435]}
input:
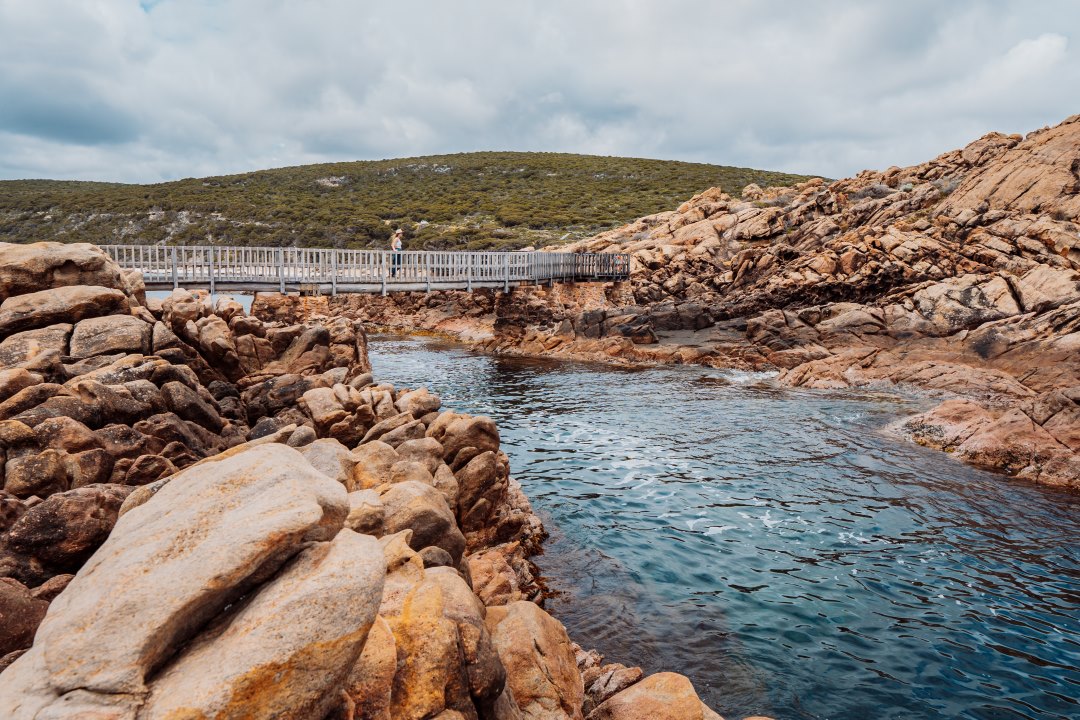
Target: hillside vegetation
{"type": "Point", "coordinates": [470, 200]}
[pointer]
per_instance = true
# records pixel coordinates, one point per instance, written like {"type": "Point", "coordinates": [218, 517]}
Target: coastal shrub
{"type": "Point", "coordinates": [487, 199]}
{"type": "Point", "coordinates": [945, 186]}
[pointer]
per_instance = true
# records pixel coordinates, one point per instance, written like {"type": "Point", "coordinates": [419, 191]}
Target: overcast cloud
{"type": "Point", "coordinates": [162, 89]}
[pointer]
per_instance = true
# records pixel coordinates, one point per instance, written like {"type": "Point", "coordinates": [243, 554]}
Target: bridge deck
{"type": "Point", "coordinates": [372, 271]}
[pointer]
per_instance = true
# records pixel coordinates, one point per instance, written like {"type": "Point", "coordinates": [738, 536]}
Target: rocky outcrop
{"type": "Point", "coordinates": [102, 392]}
{"type": "Point", "coordinates": [960, 276]}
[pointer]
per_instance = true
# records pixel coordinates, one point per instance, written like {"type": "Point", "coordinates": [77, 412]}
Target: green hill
{"type": "Point", "coordinates": [469, 200]}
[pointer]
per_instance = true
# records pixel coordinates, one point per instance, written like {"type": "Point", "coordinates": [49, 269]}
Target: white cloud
{"type": "Point", "coordinates": [152, 90]}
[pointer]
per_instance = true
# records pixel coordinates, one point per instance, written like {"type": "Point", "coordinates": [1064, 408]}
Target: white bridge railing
{"type": "Point", "coordinates": [333, 271]}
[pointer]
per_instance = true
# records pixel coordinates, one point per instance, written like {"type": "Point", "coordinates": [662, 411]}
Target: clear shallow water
{"type": "Point", "coordinates": [773, 545]}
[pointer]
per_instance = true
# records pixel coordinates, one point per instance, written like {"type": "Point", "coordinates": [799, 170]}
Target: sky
{"type": "Point", "coordinates": [154, 90]}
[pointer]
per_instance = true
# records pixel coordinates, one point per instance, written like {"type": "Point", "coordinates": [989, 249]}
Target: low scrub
{"type": "Point", "coordinates": [487, 200]}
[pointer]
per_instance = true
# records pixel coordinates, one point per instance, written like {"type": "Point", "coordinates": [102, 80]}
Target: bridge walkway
{"type": "Point", "coordinates": [330, 271]}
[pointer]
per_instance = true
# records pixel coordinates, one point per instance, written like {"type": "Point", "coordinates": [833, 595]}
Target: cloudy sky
{"type": "Point", "coordinates": [161, 89]}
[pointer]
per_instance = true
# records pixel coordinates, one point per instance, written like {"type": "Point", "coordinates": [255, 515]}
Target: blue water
{"type": "Point", "coordinates": [245, 299]}
{"type": "Point", "coordinates": [774, 545]}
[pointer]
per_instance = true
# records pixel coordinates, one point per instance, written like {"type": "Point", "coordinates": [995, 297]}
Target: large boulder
{"type": "Point", "coordinates": [33, 346]}
{"type": "Point", "coordinates": [20, 615]}
{"type": "Point", "coordinates": [663, 696]}
{"type": "Point", "coordinates": [59, 305]}
{"type": "Point", "coordinates": [446, 662]}
{"type": "Point", "coordinates": [27, 398]}
{"type": "Point", "coordinates": [66, 528]}
{"type": "Point", "coordinates": [39, 474]}
{"type": "Point", "coordinates": [366, 512]}
{"type": "Point", "coordinates": [323, 406]}
{"type": "Point", "coordinates": [418, 403]}
{"type": "Point", "coordinates": [27, 268]}
{"type": "Point", "coordinates": [186, 403]}
{"type": "Point", "coordinates": [481, 483]}
{"type": "Point", "coordinates": [456, 432]}
{"type": "Point", "coordinates": [284, 653]}
{"type": "Point", "coordinates": [370, 683]}
{"type": "Point", "coordinates": [331, 458]}
{"type": "Point", "coordinates": [414, 506]}
{"type": "Point", "coordinates": [110, 334]}
{"type": "Point", "coordinates": [373, 462]}
{"type": "Point", "coordinates": [203, 541]}
{"type": "Point", "coordinates": [396, 429]}
{"type": "Point", "coordinates": [12, 380]}
{"type": "Point", "coordinates": [540, 662]}
{"type": "Point", "coordinates": [426, 451]}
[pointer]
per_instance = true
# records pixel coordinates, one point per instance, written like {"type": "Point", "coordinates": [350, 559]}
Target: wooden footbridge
{"type": "Point", "coordinates": [327, 271]}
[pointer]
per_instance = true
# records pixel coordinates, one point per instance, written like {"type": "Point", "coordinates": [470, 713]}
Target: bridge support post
{"type": "Point", "coordinates": [175, 279]}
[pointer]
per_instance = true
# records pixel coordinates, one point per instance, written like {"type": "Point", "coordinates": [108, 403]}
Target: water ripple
{"type": "Point", "coordinates": [773, 545]}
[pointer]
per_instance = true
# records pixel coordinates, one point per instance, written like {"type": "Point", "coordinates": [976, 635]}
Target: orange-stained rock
{"type": "Point", "coordinates": [663, 696]}
{"type": "Point", "coordinates": [541, 668]}
{"type": "Point", "coordinates": [287, 652]}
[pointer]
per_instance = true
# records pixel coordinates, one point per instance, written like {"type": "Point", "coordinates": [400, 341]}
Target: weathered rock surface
{"type": "Point", "coordinates": [47, 307]}
{"type": "Point", "coordinates": [286, 652]}
{"type": "Point", "coordinates": [541, 666]}
{"type": "Point", "coordinates": [104, 335]}
{"type": "Point", "coordinates": [20, 615]}
{"type": "Point", "coordinates": [206, 538]}
{"type": "Point", "coordinates": [421, 508]}
{"type": "Point", "coordinates": [663, 696]}
{"type": "Point", "coordinates": [28, 268]}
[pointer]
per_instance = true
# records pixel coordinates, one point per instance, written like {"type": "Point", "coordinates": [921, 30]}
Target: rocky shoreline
{"type": "Point", "coordinates": [208, 515]}
{"type": "Point", "coordinates": [959, 276]}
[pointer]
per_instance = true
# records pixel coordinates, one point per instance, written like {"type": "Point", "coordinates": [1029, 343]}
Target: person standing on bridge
{"type": "Point", "coordinates": [395, 249]}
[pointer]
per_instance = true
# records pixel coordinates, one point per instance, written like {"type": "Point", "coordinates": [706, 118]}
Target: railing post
{"type": "Point", "coordinates": [427, 270]}
{"type": "Point", "coordinates": [281, 269]}
{"type": "Point", "coordinates": [506, 272]}
{"type": "Point", "coordinates": [175, 280]}
{"type": "Point", "coordinates": [333, 271]}
{"type": "Point", "coordinates": [468, 270]}
{"type": "Point", "coordinates": [382, 269]}
{"type": "Point", "coordinates": [210, 255]}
